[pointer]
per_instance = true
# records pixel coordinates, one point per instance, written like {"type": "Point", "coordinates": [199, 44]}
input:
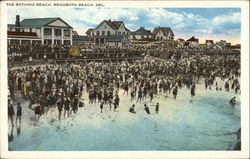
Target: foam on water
{"type": "Point", "coordinates": [206, 123]}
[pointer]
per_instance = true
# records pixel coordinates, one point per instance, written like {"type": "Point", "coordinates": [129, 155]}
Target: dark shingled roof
{"type": "Point", "coordinates": [165, 30]}
{"type": "Point", "coordinates": [113, 24]}
{"type": "Point", "coordinates": [80, 38]}
{"type": "Point", "coordinates": [193, 39]}
{"type": "Point", "coordinates": [39, 22]}
{"type": "Point", "coordinates": [116, 38]}
{"type": "Point", "coordinates": [141, 31]}
{"type": "Point", "coordinates": [211, 41]}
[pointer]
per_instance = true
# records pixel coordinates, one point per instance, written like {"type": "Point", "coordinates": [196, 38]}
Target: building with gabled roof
{"type": "Point", "coordinates": [141, 34]}
{"type": "Point", "coordinates": [54, 31]}
{"type": "Point", "coordinates": [88, 32]}
{"type": "Point", "coordinates": [163, 33]}
{"type": "Point", "coordinates": [106, 28]}
{"type": "Point", "coordinates": [209, 42]}
{"type": "Point", "coordinates": [180, 42]}
{"type": "Point", "coordinates": [193, 41]}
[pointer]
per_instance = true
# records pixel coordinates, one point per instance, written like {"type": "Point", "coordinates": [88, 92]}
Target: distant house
{"type": "Point", "coordinates": [180, 42]}
{"type": "Point", "coordinates": [88, 32]}
{"type": "Point", "coordinates": [163, 33]}
{"type": "Point", "coordinates": [141, 34]}
{"type": "Point", "coordinates": [221, 43]}
{"type": "Point", "coordinates": [117, 40]}
{"type": "Point", "coordinates": [234, 47]}
{"type": "Point", "coordinates": [228, 44]}
{"type": "Point", "coordinates": [53, 31]}
{"type": "Point", "coordinates": [193, 41]}
{"type": "Point", "coordinates": [79, 39]}
{"type": "Point", "coordinates": [238, 45]}
{"type": "Point", "coordinates": [209, 42]}
{"type": "Point", "coordinates": [101, 33]}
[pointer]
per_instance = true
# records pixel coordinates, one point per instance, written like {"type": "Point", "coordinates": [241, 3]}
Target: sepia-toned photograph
{"type": "Point", "coordinates": [123, 78]}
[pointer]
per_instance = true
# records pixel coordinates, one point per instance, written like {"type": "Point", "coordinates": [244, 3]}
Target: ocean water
{"type": "Point", "coordinates": [205, 122]}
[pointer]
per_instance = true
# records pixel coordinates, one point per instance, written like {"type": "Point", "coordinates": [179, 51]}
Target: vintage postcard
{"type": "Point", "coordinates": [124, 79]}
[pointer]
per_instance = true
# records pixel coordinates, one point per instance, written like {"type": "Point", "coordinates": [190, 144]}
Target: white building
{"type": "Point", "coordinates": [105, 29]}
{"type": "Point", "coordinates": [163, 33]}
{"type": "Point", "coordinates": [141, 34]}
{"type": "Point", "coordinates": [221, 43]}
{"type": "Point", "coordinates": [53, 31]}
{"type": "Point", "coordinates": [180, 42]}
{"type": "Point", "coordinates": [209, 42]}
{"type": "Point", "coordinates": [193, 42]}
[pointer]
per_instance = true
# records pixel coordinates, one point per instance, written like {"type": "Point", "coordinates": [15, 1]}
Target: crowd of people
{"type": "Point", "coordinates": [20, 52]}
{"type": "Point", "coordinates": [61, 87]}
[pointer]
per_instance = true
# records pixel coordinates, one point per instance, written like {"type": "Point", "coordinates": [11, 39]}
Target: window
{"type": "Point", "coordinates": [66, 32]}
{"type": "Point", "coordinates": [47, 42]}
{"type": "Point", "coordinates": [119, 33]}
{"type": "Point", "coordinates": [30, 29]}
{"type": "Point", "coordinates": [123, 33]}
{"type": "Point", "coordinates": [47, 31]}
{"type": "Point", "coordinates": [103, 32]}
{"type": "Point", "coordinates": [58, 32]}
{"type": "Point", "coordinates": [161, 37]}
{"type": "Point", "coordinates": [66, 42]}
{"type": "Point", "coordinates": [108, 33]}
{"type": "Point", "coordinates": [97, 33]}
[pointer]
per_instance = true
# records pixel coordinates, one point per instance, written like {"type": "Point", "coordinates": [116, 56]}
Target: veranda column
{"type": "Point", "coordinates": [62, 30]}
{"type": "Point", "coordinates": [70, 36]}
{"type": "Point", "coordinates": [42, 35]}
{"type": "Point", "coordinates": [53, 36]}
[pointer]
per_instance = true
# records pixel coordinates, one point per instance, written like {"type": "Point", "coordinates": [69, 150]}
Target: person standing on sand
{"type": "Point", "coordinates": [175, 91]}
{"type": "Point", "coordinates": [101, 107]}
{"type": "Point", "coordinates": [59, 107]}
{"type": "Point", "coordinates": [157, 108]}
{"type": "Point", "coordinates": [19, 112]}
{"type": "Point", "coordinates": [146, 108]}
{"type": "Point", "coordinates": [38, 112]}
{"type": "Point", "coordinates": [66, 106]}
{"type": "Point", "coordinates": [11, 112]}
{"type": "Point", "coordinates": [192, 91]}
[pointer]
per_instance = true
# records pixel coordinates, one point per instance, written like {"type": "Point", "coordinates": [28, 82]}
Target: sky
{"type": "Point", "coordinates": [203, 23]}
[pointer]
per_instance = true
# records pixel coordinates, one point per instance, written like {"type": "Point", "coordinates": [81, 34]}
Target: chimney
{"type": "Point", "coordinates": [17, 23]}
